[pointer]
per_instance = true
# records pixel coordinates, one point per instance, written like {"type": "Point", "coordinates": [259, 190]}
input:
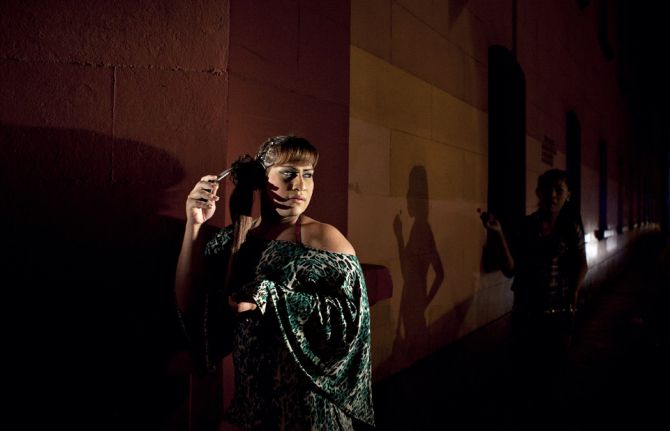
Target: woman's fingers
{"type": "Point", "coordinates": [201, 201]}
{"type": "Point", "coordinates": [205, 190]}
{"type": "Point", "coordinates": [203, 195]}
{"type": "Point", "coordinates": [241, 307]}
{"type": "Point", "coordinates": [196, 203]}
{"type": "Point", "coordinates": [245, 306]}
{"type": "Point", "coordinates": [208, 185]}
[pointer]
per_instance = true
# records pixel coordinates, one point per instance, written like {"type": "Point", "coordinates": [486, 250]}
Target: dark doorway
{"type": "Point", "coordinates": [573, 158]}
{"type": "Point", "coordinates": [507, 142]}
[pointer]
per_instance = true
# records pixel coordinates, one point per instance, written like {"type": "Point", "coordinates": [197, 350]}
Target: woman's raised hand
{"type": "Point", "coordinates": [491, 222]}
{"type": "Point", "coordinates": [201, 201]}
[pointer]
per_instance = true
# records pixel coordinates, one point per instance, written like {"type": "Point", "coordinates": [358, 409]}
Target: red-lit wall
{"type": "Point", "coordinates": [109, 113]}
{"type": "Point", "coordinates": [289, 74]}
{"type": "Point", "coordinates": [169, 80]}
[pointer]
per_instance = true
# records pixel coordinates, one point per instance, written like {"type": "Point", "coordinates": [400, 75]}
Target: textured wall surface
{"type": "Point", "coordinates": [109, 113]}
{"type": "Point", "coordinates": [289, 74]}
{"type": "Point", "coordinates": [419, 137]}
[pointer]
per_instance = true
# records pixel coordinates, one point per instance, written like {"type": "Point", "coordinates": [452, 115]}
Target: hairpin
{"type": "Point", "coordinates": [265, 151]}
{"type": "Point", "coordinates": [224, 174]}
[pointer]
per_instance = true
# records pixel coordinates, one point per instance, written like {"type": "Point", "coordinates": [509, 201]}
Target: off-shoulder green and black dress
{"type": "Point", "coordinates": [302, 359]}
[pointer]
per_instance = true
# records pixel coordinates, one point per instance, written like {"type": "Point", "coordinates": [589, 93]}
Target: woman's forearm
{"type": "Point", "coordinates": [189, 267]}
{"type": "Point", "coordinates": [507, 258]}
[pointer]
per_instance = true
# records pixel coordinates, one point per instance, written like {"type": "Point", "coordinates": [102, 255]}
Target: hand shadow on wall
{"type": "Point", "coordinates": [89, 286]}
{"type": "Point", "coordinates": [416, 257]}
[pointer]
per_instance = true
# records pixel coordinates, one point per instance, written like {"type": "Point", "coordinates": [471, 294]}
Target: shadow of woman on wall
{"type": "Point", "coordinates": [416, 257]}
{"type": "Point", "coordinates": [89, 278]}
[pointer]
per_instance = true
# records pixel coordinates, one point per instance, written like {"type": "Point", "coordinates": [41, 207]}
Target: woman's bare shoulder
{"type": "Point", "coordinates": [324, 236]}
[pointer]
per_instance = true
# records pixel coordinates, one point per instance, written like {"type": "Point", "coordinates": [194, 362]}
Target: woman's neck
{"type": "Point", "coordinates": [548, 213]}
{"type": "Point", "coordinates": [271, 218]}
{"type": "Point", "coordinates": [549, 217]}
{"type": "Point", "coordinates": [270, 224]}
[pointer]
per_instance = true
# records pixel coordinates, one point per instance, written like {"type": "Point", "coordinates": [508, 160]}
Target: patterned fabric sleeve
{"type": "Point", "coordinates": [217, 245]}
{"type": "Point", "coordinates": [320, 302]}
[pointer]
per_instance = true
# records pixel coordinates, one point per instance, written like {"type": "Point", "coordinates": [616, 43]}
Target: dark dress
{"type": "Point", "coordinates": [547, 266]}
{"type": "Point", "coordinates": [302, 359]}
{"type": "Point", "coordinates": [544, 284]}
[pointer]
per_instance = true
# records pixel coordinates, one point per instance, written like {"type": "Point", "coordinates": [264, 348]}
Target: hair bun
{"type": "Point", "coordinates": [246, 171]}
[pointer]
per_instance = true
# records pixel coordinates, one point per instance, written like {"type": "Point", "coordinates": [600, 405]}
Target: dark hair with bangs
{"type": "Point", "coordinates": [250, 176]}
{"type": "Point", "coordinates": [550, 177]}
{"type": "Point", "coordinates": [569, 215]}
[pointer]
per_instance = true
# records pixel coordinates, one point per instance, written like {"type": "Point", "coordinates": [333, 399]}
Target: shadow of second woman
{"type": "Point", "coordinates": [416, 257]}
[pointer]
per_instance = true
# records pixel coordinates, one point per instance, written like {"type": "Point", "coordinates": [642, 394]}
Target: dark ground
{"type": "Point", "coordinates": [617, 373]}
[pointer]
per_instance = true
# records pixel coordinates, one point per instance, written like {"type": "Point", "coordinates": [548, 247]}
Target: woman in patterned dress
{"type": "Point", "coordinates": [301, 332]}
